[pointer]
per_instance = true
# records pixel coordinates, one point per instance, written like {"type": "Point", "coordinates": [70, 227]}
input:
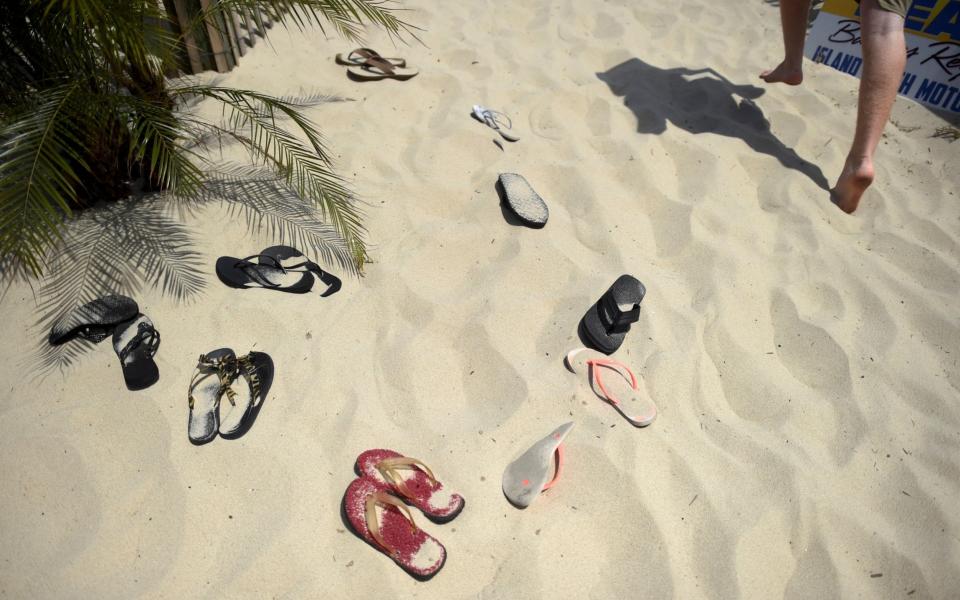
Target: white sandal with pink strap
{"type": "Point", "coordinates": [621, 390]}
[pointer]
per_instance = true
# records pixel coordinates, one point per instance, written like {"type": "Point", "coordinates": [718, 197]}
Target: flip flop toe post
{"type": "Point", "coordinates": [411, 480]}
{"type": "Point", "coordinates": [384, 522]}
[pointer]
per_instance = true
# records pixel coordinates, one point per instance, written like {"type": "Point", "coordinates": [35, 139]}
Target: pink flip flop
{"type": "Point", "coordinates": [413, 481]}
{"type": "Point", "coordinates": [383, 521]}
{"type": "Point", "coordinates": [621, 390]}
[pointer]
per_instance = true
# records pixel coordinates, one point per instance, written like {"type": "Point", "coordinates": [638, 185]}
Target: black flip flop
{"type": "Point", "coordinates": [294, 260]}
{"type": "Point", "coordinates": [608, 320]}
{"type": "Point", "coordinates": [266, 273]}
{"type": "Point", "coordinates": [136, 342]}
{"type": "Point", "coordinates": [523, 200]}
{"type": "Point", "coordinates": [95, 320]}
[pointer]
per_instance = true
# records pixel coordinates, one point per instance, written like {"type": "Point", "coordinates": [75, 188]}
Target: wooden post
{"type": "Point", "coordinates": [217, 46]}
{"type": "Point", "coordinates": [183, 19]}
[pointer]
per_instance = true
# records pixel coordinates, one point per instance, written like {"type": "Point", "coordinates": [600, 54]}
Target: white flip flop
{"type": "Point", "coordinates": [497, 121]}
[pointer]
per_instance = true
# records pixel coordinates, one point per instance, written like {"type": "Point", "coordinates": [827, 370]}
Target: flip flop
{"type": "Point", "coordinates": [384, 521]}
{"type": "Point", "coordinates": [266, 273]}
{"type": "Point", "coordinates": [136, 342]}
{"type": "Point", "coordinates": [621, 390]}
{"type": "Point", "coordinates": [523, 200]}
{"type": "Point", "coordinates": [215, 371]}
{"type": "Point", "coordinates": [358, 55]}
{"type": "Point", "coordinates": [373, 69]}
{"type": "Point", "coordinates": [256, 369]}
{"type": "Point", "coordinates": [94, 321]}
{"type": "Point", "coordinates": [526, 477]}
{"type": "Point", "coordinates": [412, 481]}
{"type": "Point", "coordinates": [497, 121]}
{"type": "Point", "coordinates": [607, 322]}
{"type": "Point", "coordinates": [292, 259]}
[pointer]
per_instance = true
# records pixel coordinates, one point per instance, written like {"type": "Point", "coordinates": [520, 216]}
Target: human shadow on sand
{"type": "Point", "coordinates": [701, 101]}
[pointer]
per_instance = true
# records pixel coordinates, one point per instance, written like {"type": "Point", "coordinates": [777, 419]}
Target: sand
{"type": "Point", "coordinates": [804, 363]}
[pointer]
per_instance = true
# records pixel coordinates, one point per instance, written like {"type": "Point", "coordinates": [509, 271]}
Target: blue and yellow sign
{"type": "Point", "coordinates": [932, 27]}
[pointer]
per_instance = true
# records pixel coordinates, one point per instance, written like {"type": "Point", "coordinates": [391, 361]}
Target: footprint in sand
{"type": "Point", "coordinates": [923, 265]}
{"type": "Point", "coordinates": [607, 27]}
{"type": "Point", "coordinates": [808, 351]}
{"type": "Point", "coordinates": [544, 123]}
{"type": "Point", "coordinates": [748, 391]}
{"type": "Point", "coordinates": [598, 117]}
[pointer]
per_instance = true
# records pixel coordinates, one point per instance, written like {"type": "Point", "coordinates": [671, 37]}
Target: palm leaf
{"type": "Point", "coordinates": [270, 206]}
{"type": "Point", "coordinates": [253, 121]}
{"type": "Point", "coordinates": [347, 17]}
{"type": "Point", "coordinates": [38, 176]}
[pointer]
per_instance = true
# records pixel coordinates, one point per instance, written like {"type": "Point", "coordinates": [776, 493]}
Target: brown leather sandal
{"type": "Point", "coordinates": [358, 55]}
{"type": "Point", "coordinates": [374, 69]}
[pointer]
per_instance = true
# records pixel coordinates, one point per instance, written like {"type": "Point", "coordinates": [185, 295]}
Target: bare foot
{"type": "Point", "coordinates": [856, 178]}
{"type": "Point", "coordinates": [783, 73]}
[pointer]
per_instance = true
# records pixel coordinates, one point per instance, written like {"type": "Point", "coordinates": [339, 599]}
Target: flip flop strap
{"type": "Point", "coordinates": [556, 473]}
{"type": "Point", "coordinates": [250, 268]}
{"type": "Point", "coordinates": [378, 63]}
{"type": "Point", "coordinates": [364, 53]}
{"type": "Point", "coordinates": [249, 371]}
{"type": "Point", "coordinates": [610, 364]}
{"type": "Point", "coordinates": [373, 526]}
{"type": "Point", "coordinates": [226, 369]}
{"type": "Point", "coordinates": [491, 117]}
{"type": "Point", "coordinates": [390, 469]}
{"type": "Point", "coordinates": [614, 319]}
{"type": "Point", "coordinates": [146, 335]}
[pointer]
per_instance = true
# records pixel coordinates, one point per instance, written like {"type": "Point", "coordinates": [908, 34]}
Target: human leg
{"type": "Point", "coordinates": [793, 20]}
{"type": "Point", "coordinates": [884, 58]}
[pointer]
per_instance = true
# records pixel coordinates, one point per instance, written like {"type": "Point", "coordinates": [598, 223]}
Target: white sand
{"type": "Point", "coordinates": [804, 363]}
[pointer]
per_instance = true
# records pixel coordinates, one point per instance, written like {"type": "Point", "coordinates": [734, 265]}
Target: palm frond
{"type": "Point", "coordinates": [270, 206]}
{"type": "Point", "coordinates": [38, 176]}
{"type": "Point", "coordinates": [253, 120]}
{"type": "Point", "coordinates": [347, 17]}
{"type": "Point", "coordinates": [951, 134]}
{"type": "Point", "coordinates": [159, 139]}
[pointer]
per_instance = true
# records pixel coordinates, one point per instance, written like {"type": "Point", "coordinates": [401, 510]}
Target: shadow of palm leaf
{"type": "Point", "coordinates": [127, 246]}
{"type": "Point", "coordinates": [271, 207]}
{"type": "Point", "coordinates": [141, 242]}
{"type": "Point", "coordinates": [118, 248]}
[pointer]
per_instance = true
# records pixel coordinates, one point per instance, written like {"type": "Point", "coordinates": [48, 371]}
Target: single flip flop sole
{"type": "Point", "coordinates": [618, 386]}
{"type": "Point", "coordinates": [399, 73]}
{"type": "Point", "coordinates": [415, 551]}
{"type": "Point", "coordinates": [136, 342]}
{"type": "Point", "coordinates": [237, 419]}
{"type": "Point", "coordinates": [523, 200]}
{"type": "Point", "coordinates": [344, 59]}
{"type": "Point", "coordinates": [203, 420]}
{"type": "Point", "coordinates": [94, 320]}
{"type": "Point", "coordinates": [531, 473]}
